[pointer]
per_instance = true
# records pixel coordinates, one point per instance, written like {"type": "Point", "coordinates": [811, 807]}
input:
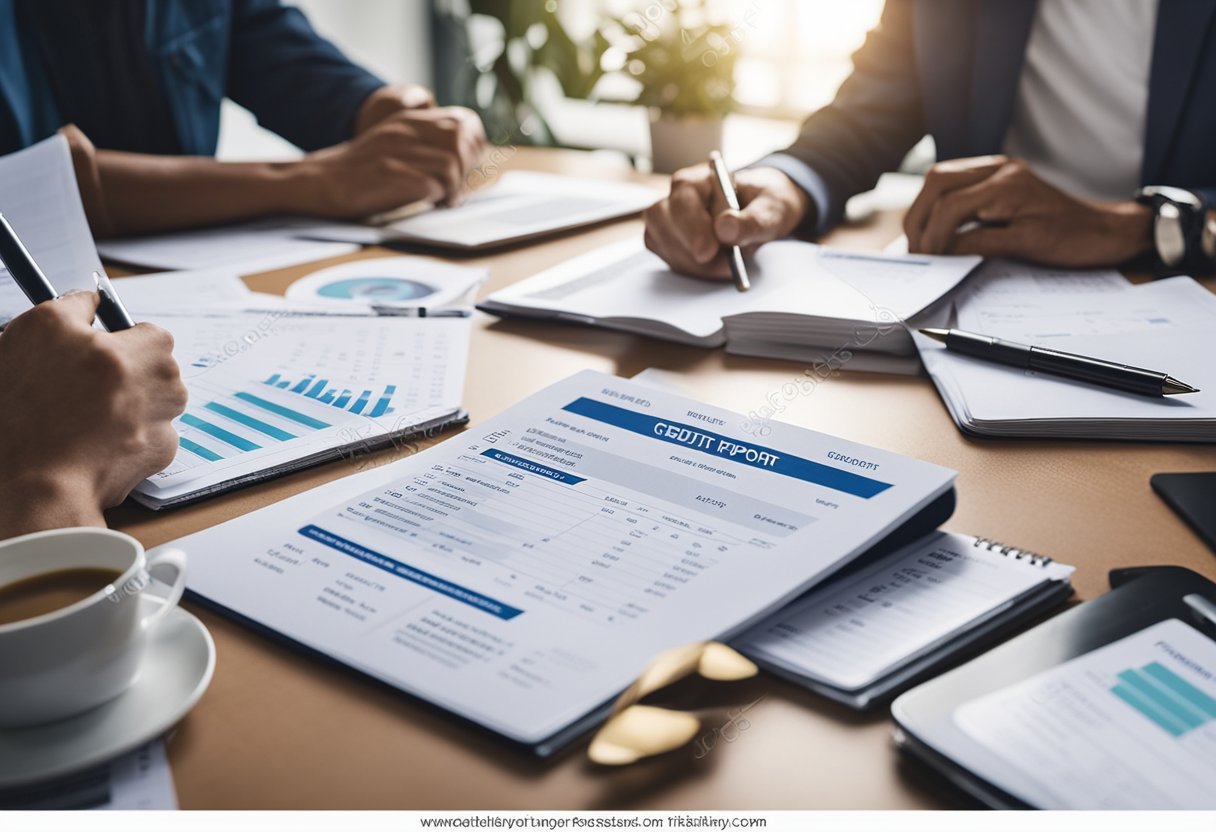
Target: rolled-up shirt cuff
{"type": "Point", "coordinates": [805, 177]}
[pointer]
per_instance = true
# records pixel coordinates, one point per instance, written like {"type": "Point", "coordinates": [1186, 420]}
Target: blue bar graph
{"type": "Point", "coordinates": [249, 422]}
{"type": "Point", "coordinates": [199, 450]}
{"type": "Point", "coordinates": [382, 406]}
{"type": "Point", "coordinates": [1164, 697]}
{"type": "Point", "coordinates": [280, 410]}
{"type": "Point", "coordinates": [225, 436]}
{"type": "Point", "coordinates": [316, 387]}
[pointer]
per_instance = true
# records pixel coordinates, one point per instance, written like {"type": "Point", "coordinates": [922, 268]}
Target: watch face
{"type": "Point", "coordinates": [1168, 235]}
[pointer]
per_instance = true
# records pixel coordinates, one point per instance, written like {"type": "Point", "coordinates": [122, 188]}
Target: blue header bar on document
{"type": "Point", "coordinates": [724, 447]}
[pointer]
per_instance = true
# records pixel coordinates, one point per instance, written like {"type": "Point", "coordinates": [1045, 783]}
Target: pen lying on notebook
{"type": "Point", "coordinates": [1065, 364]}
{"type": "Point", "coordinates": [29, 277]}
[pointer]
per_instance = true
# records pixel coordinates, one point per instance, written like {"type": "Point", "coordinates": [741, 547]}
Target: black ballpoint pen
{"type": "Point", "coordinates": [29, 277]}
{"type": "Point", "coordinates": [1069, 365]}
{"type": "Point", "coordinates": [734, 255]}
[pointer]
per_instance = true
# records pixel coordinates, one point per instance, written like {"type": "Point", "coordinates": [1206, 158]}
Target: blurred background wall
{"type": "Point", "coordinates": [586, 73]}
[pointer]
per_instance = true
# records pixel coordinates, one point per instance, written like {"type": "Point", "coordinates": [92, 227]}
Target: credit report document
{"type": "Point", "coordinates": [1129, 726]}
{"type": "Point", "coordinates": [523, 573]}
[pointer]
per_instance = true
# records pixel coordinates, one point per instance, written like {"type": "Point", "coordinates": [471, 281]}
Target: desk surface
{"type": "Point", "coordinates": [280, 730]}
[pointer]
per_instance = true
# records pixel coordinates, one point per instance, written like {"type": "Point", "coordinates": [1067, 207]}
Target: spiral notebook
{"type": "Point", "coordinates": [876, 630]}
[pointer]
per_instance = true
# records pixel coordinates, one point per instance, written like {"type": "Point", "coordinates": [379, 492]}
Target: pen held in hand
{"type": "Point", "coordinates": [30, 278]}
{"type": "Point", "coordinates": [1065, 364]}
{"type": "Point", "coordinates": [734, 254]}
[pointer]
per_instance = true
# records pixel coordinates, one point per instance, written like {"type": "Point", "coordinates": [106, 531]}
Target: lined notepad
{"type": "Point", "coordinates": [866, 627]}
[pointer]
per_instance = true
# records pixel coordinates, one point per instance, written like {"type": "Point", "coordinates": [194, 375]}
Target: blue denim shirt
{"type": "Point", "coordinates": [23, 86]}
{"type": "Point", "coordinates": [263, 55]}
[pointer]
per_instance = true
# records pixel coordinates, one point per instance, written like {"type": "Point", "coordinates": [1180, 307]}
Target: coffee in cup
{"type": "Point", "coordinates": [76, 607]}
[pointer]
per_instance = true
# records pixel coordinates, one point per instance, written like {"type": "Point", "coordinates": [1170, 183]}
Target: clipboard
{"type": "Point", "coordinates": [923, 717]}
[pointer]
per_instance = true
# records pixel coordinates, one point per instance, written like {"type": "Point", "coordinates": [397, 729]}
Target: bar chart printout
{"type": "Point", "coordinates": [1131, 725]}
{"type": "Point", "coordinates": [317, 388]}
{"type": "Point", "coordinates": [280, 392]}
{"type": "Point", "coordinates": [231, 423]}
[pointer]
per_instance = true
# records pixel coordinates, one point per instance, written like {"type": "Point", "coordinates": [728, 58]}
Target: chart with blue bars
{"type": "Point", "coordinates": [375, 404]}
{"type": "Point", "coordinates": [1174, 704]}
{"type": "Point", "coordinates": [231, 423]}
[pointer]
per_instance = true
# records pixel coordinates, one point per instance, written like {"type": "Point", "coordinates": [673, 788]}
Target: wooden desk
{"type": "Point", "coordinates": [278, 730]}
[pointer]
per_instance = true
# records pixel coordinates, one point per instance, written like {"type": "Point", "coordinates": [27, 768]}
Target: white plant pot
{"type": "Point", "coordinates": [679, 142]}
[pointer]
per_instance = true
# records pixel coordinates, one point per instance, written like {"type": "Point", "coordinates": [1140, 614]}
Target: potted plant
{"type": "Point", "coordinates": [684, 65]}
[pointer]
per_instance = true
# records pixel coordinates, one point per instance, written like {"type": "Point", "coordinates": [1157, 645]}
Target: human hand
{"type": "Point", "coordinates": [409, 156]}
{"type": "Point", "coordinates": [1020, 215]}
{"type": "Point", "coordinates": [390, 100]}
{"type": "Point", "coordinates": [691, 225]}
{"type": "Point", "coordinates": [87, 414]}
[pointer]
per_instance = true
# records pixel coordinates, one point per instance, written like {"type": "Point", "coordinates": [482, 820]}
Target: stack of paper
{"type": "Point", "coordinates": [1167, 326]}
{"type": "Point", "coordinates": [520, 206]}
{"type": "Point", "coordinates": [806, 302]}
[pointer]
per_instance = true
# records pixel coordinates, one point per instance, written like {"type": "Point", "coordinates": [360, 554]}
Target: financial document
{"type": "Point", "coordinates": [1045, 318]}
{"type": "Point", "coordinates": [523, 573]}
{"type": "Point", "coordinates": [268, 389]}
{"type": "Point", "coordinates": [1129, 726]}
{"type": "Point", "coordinates": [858, 629]}
{"type": "Point", "coordinates": [39, 198]}
{"type": "Point", "coordinates": [139, 780]}
{"type": "Point", "coordinates": [1168, 326]}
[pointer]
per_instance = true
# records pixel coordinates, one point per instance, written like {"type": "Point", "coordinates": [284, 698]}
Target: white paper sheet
{"type": "Point", "coordinates": [521, 205]}
{"type": "Point", "coordinates": [245, 248]}
{"type": "Point", "coordinates": [39, 197]}
{"type": "Point", "coordinates": [139, 780]}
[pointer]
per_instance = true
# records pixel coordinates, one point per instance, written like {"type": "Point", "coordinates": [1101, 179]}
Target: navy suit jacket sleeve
{"type": "Point", "coordinates": [873, 122]}
{"type": "Point", "coordinates": [298, 84]}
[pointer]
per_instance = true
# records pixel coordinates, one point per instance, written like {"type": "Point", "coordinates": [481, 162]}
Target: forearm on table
{"type": "Point", "coordinates": [136, 193]}
{"type": "Point", "coordinates": [39, 502]}
{"type": "Point", "coordinates": [146, 194]}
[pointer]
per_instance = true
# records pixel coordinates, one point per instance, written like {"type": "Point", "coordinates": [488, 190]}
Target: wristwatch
{"type": "Point", "coordinates": [1184, 231]}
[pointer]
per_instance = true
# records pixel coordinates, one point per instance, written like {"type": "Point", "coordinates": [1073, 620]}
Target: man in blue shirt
{"type": "Point", "coordinates": [137, 86]}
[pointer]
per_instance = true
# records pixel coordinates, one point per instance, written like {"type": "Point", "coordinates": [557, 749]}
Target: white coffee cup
{"type": "Point", "coordinates": [76, 658]}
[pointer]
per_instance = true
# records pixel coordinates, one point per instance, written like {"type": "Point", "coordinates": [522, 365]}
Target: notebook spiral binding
{"type": "Point", "coordinates": [1034, 558]}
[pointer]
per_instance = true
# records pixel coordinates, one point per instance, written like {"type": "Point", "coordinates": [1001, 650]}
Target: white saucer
{"type": "Point", "coordinates": [176, 669]}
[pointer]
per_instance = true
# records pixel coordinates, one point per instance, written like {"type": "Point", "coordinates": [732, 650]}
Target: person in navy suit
{"type": "Point", "coordinates": [137, 85]}
{"type": "Point", "coordinates": [1056, 121]}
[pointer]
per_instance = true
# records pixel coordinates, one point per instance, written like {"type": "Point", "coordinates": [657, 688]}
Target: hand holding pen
{"type": "Point", "coordinates": [30, 278]}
